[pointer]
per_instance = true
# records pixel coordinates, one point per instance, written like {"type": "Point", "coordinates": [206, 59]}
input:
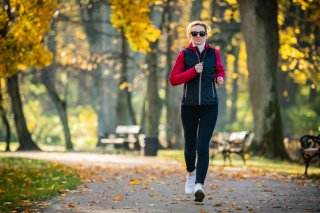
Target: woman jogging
{"type": "Point", "coordinates": [199, 68]}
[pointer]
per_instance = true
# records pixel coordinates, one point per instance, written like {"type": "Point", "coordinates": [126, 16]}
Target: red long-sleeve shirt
{"type": "Point", "coordinates": [179, 76]}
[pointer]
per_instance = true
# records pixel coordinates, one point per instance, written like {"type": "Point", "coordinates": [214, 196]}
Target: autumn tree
{"type": "Point", "coordinates": [48, 78]}
{"type": "Point", "coordinates": [299, 63]}
{"type": "Point", "coordinates": [225, 22]}
{"type": "Point", "coordinates": [173, 16]}
{"type": "Point", "coordinates": [5, 119]}
{"type": "Point", "coordinates": [134, 20]}
{"type": "Point", "coordinates": [260, 29]}
{"type": "Point", "coordinates": [22, 26]}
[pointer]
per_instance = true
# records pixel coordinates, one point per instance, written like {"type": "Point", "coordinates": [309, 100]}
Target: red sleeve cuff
{"type": "Point", "coordinates": [220, 71]}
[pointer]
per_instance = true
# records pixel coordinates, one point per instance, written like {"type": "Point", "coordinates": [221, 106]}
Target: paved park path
{"type": "Point", "coordinates": [121, 184]}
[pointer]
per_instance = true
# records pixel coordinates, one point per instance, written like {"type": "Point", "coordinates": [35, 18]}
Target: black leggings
{"type": "Point", "coordinates": [198, 125]}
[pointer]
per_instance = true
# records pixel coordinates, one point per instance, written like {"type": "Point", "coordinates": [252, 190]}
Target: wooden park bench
{"type": "Point", "coordinates": [310, 148]}
{"type": "Point", "coordinates": [235, 142]}
{"type": "Point", "coordinates": [124, 135]}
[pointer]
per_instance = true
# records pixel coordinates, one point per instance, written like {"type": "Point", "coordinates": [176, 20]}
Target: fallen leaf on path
{"type": "Point", "coordinates": [218, 204]}
{"type": "Point", "coordinates": [118, 197]}
{"type": "Point", "coordinates": [91, 203]}
{"type": "Point", "coordinates": [232, 205]}
{"type": "Point", "coordinates": [135, 181]}
{"type": "Point", "coordinates": [62, 191]}
{"type": "Point", "coordinates": [239, 176]}
{"type": "Point", "coordinates": [145, 185]}
{"type": "Point", "coordinates": [214, 186]}
{"type": "Point", "coordinates": [71, 205]}
{"type": "Point", "coordinates": [26, 203]}
{"type": "Point", "coordinates": [239, 208]}
{"type": "Point", "coordinates": [154, 195]}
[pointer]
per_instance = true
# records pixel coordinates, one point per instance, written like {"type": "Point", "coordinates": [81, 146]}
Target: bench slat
{"type": "Point", "coordinates": [113, 140]}
{"type": "Point", "coordinates": [134, 129]}
{"type": "Point", "coordinates": [311, 150]}
{"type": "Point", "coordinates": [238, 136]}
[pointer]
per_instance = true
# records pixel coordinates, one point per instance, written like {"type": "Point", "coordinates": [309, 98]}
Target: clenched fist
{"type": "Point", "coordinates": [219, 81]}
{"type": "Point", "coordinates": [199, 67]}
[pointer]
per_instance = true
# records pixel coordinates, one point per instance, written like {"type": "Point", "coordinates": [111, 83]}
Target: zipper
{"type": "Point", "coordinates": [185, 92]}
{"type": "Point", "coordinates": [213, 90]}
{"type": "Point", "coordinates": [204, 55]}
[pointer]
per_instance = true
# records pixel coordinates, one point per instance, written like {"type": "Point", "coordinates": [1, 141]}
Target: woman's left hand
{"type": "Point", "coordinates": [220, 81]}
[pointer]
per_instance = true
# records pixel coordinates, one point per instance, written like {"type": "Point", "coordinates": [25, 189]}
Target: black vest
{"type": "Point", "coordinates": [200, 90]}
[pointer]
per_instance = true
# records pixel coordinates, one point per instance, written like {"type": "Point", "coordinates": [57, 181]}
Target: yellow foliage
{"type": "Point", "coordinates": [304, 4]}
{"type": "Point", "coordinates": [297, 50]}
{"type": "Point", "coordinates": [21, 36]}
{"type": "Point", "coordinates": [228, 15]}
{"type": "Point", "coordinates": [230, 62]}
{"type": "Point", "coordinates": [232, 2]}
{"type": "Point", "coordinates": [299, 77]}
{"type": "Point", "coordinates": [205, 12]}
{"type": "Point", "coordinates": [243, 60]}
{"type": "Point", "coordinates": [123, 85]}
{"type": "Point", "coordinates": [133, 18]}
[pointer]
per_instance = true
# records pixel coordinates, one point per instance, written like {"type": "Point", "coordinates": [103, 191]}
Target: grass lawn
{"type": "Point", "coordinates": [24, 182]}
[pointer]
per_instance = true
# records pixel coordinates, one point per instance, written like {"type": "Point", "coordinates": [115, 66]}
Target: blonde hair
{"type": "Point", "coordinates": [195, 23]}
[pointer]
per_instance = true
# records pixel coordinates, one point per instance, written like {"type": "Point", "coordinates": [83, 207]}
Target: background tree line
{"type": "Point", "coordinates": [75, 69]}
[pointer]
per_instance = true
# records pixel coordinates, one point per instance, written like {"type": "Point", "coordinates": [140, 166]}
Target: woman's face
{"type": "Point", "coordinates": [196, 38]}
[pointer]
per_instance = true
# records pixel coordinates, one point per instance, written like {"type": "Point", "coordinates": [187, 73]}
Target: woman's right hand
{"type": "Point", "coordinates": [199, 67]}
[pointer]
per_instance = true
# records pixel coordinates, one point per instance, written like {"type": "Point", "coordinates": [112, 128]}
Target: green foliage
{"type": "Point", "coordinates": [23, 181]}
{"type": "Point", "coordinates": [83, 126]}
{"type": "Point", "coordinates": [46, 128]}
{"type": "Point", "coordinates": [303, 120]}
{"type": "Point", "coordinates": [303, 117]}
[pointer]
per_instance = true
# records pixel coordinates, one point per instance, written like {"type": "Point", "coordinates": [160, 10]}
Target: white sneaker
{"type": "Point", "coordinates": [199, 193]}
{"type": "Point", "coordinates": [190, 182]}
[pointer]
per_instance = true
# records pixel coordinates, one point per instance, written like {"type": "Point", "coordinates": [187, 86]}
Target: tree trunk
{"type": "Point", "coordinates": [222, 107]}
{"type": "Point", "coordinates": [287, 90]}
{"type": "Point", "coordinates": [25, 140]}
{"type": "Point", "coordinates": [196, 9]}
{"type": "Point", "coordinates": [234, 93]}
{"type": "Point", "coordinates": [228, 30]}
{"type": "Point", "coordinates": [61, 106]}
{"type": "Point", "coordinates": [171, 100]}
{"type": "Point", "coordinates": [260, 29]}
{"type": "Point", "coordinates": [5, 122]}
{"type": "Point", "coordinates": [125, 112]}
{"type": "Point", "coordinates": [48, 78]}
{"type": "Point", "coordinates": [153, 104]}
{"type": "Point", "coordinates": [104, 86]}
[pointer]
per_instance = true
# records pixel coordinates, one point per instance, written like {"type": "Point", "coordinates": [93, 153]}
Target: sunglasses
{"type": "Point", "coordinates": [195, 33]}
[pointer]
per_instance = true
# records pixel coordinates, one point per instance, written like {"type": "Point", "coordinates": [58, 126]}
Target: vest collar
{"type": "Point", "coordinates": [191, 47]}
